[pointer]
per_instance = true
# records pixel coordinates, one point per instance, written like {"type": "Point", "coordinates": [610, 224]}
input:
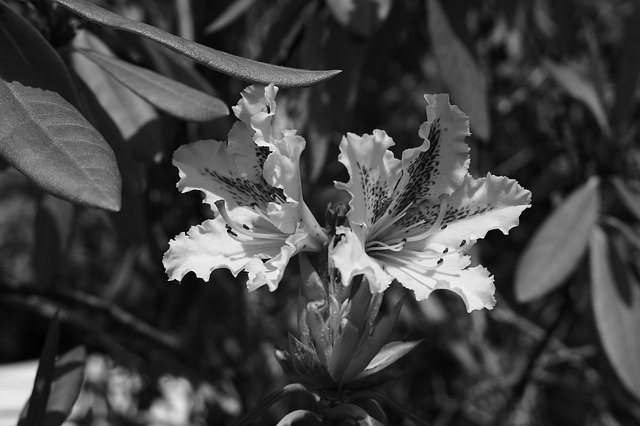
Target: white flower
{"type": "Point", "coordinates": [413, 219]}
{"type": "Point", "coordinates": [253, 181]}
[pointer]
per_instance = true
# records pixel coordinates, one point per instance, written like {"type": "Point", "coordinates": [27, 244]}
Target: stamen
{"type": "Point", "coordinates": [221, 206]}
{"type": "Point", "coordinates": [434, 227]}
{"type": "Point", "coordinates": [377, 230]}
{"type": "Point", "coordinates": [379, 245]}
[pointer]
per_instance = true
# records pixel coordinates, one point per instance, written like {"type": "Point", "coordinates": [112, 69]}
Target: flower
{"type": "Point", "coordinates": [414, 219]}
{"type": "Point", "coordinates": [253, 181]}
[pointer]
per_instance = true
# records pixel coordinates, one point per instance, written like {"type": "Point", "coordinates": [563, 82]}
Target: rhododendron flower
{"type": "Point", "coordinates": [253, 182]}
{"type": "Point", "coordinates": [413, 219]}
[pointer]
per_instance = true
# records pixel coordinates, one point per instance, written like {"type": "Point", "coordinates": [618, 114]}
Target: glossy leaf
{"type": "Point", "coordinates": [234, 11]}
{"type": "Point", "coordinates": [458, 71]}
{"type": "Point", "coordinates": [54, 222]}
{"type": "Point", "coordinates": [581, 90]}
{"type": "Point", "coordinates": [42, 134]}
{"type": "Point", "coordinates": [558, 244]}
{"type": "Point", "coordinates": [617, 319]}
{"type": "Point", "coordinates": [234, 66]}
{"type": "Point", "coordinates": [136, 119]}
{"type": "Point", "coordinates": [167, 95]}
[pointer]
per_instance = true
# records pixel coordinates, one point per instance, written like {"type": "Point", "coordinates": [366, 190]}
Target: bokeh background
{"type": "Point", "coordinates": [550, 87]}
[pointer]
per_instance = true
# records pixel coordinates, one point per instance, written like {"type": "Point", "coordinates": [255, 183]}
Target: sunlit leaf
{"type": "Point", "coordinates": [390, 353]}
{"type": "Point", "coordinates": [362, 17]}
{"type": "Point", "coordinates": [617, 319]}
{"type": "Point", "coordinates": [42, 134]}
{"type": "Point", "coordinates": [558, 244]}
{"type": "Point", "coordinates": [458, 71]}
{"type": "Point", "coordinates": [168, 95]}
{"type": "Point", "coordinates": [137, 121]}
{"type": "Point", "coordinates": [235, 10]}
{"type": "Point", "coordinates": [53, 226]}
{"type": "Point", "coordinates": [581, 90]}
{"type": "Point", "coordinates": [241, 68]}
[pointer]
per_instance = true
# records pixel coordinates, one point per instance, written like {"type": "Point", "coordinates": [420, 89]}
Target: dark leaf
{"type": "Point", "coordinates": [241, 68]}
{"type": "Point", "coordinates": [43, 135]}
{"type": "Point", "coordinates": [54, 222]}
{"type": "Point", "coordinates": [617, 320]}
{"type": "Point", "coordinates": [628, 70]}
{"type": "Point", "coordinates": [168, 95]}
{"type": "Point", "coordinates": [300, 417]}
{"type": "Point", "coordinates": [229, 15]}
{"type": "Point", "coordinates": [458, 70]}
{"type": "Point", "coordinates": [558, 244]}
{"type": "Point", "coordinates": [581, 90]}
{"type": "Point", "coordinates": [34, 413]}
{"type": "Point", "coordinates": [629, 198]}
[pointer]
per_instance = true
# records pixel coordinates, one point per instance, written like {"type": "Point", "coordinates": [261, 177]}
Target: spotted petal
{"type": "Point", "coordinates": [450, 272]}
{"type": "Point", "coordinates": [480, 205]}
{"type": "Point", "coordinates": [208, 166]}
{"type": "Point", "coordinates": [439, 165]}
{"type": "Point", "coordinates": [349, 257]}
{"type": "Point", "coordinates": [373, 172]}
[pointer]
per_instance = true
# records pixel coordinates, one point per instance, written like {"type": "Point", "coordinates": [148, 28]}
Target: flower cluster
{"type": "Point", "coordinates": [411, 219]}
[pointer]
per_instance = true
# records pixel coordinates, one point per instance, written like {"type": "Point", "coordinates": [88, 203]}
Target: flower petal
{"type": "Point", "coordinates": [256, 110]}
{"type": "Point", "coordinates": [439, 165]}
{"type": "Point", "coordinates": [349, 257]}
{"type": "Point", "coordinates": [208, 246]}
{"type": "Point", "coordinates": [271, 271]}
{"type": "Point", "coordinates": [451, 272]}
{"type": "Point", "coordinates": [282, 167]}
{"type": "Point", "coordinates": [373, 172]}
{"type": "Point", "coordinates": [480, 205]}
{"type": "Point", "coordinates": [208, 166]}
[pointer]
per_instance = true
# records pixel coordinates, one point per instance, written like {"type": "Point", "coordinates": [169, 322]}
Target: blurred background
{"type": "Point", "coordinates": [551, 90]}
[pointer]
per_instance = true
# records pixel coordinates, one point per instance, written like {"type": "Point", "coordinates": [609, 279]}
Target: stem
{"type": "Point", "coordinates": [399, 408]}
{"type": "Point", "coordinates": [272, 399]}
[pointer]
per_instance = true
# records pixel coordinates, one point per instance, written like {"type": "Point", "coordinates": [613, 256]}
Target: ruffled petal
{"type": "Point", "coordinates": [439, 165]}
{"type": "Point", "coordinates": [282, 167]}
{"type": "Point", "coordinates": [209, 167]}
{"type": "Point", "coordinates": [480, 205]}
{"type": "Point", "coordinates": [256, 110]}
{"type": "Point", "coordinates": [271, 271]}
{"type": "Point", "coordinates": [349, 257]}
{"type": "Point", "coordinates": [209, 246]}
{"type": "Point", "coordinates": [373, 172]}
{"type": "Point", "coordinates": [449, 272]}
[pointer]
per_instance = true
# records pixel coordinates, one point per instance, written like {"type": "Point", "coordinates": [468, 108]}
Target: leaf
{"type": "Point", "coordinates": [170, 96]}
{"type": "Point", "coordinates": [629, 198]}
{"type": "Point", "coordinates": [558, 244]}
{"type": "Point", "coordinates": [54, 222]}
{"type": "Point", "coordinates": [390, 353]}
{"type": "Point", "coordinates": [458, 70]}
{"type": "Point", "coordinates": [579, 89]}
{"type": "Point", "coordinates": [234, 66]}
{"type": "Point", "coordinates": [229, 15]}
{"type": "Point", "coordinates": [363, 17]}
{"type": "Point", "coordinates": [300, 417]}
{"type": "Point", "coordinates": [41, 132]}
{"type": "Point", "coordinates": [617, 320]}
{"type": "Point", "coordinates": [628, 74]}
{"type": "Point", "coordinates": [68, 376]}
{"type": "Point", "coordinates": [37, 405]}
{"type": "Point", "coordinates": [137, 121]}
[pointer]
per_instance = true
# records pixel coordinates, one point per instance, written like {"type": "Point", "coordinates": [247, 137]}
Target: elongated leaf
{"type": "Point", "coordinates": [558, 244]}
{"type": "Point", "coordinates": [628, 71]}
{"type": "Point", "coordinates": [363, 17]}
{"type": "Point", "coordinates": [581, 90]}
{"type": "Point", "coordinates": [35, 412]}
{"type": "Point", "coordinates": [229, 15]}
{"type": "Point", "coordinates": [54, 222]}
{"type": "Point", "coordinates": [41, 133]}
{"type": "Point", "coordinates": [459, 71]}
{"type": "Point", "coordinates": [628, 197]}
{"type": "Point", "coordinates": [168, 95]}
{"type": "Point", "coordinates": [137, 121]}
{"type": "Point", "coordinates": [617, 320]}
{"type": "Point", "coordinates": [241, 68]}
{"type": "Point", "coordinates": [390, 353]}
